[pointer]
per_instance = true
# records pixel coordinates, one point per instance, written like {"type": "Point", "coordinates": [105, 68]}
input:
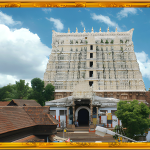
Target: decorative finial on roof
{"type": "Point", "coordinates": [68, 30]}
{"type": "Point", "coordinates": [84, 30]}
{"type": "Point", "coordinates": [100, 29]}
{"type": "Point", "coordinates": [76, 29]}
{"type": "Point", "coordinates": [92, 29]}
{"type": "Point", "coordinates": [108, 29]}
{"type": "Point", "coordinates": [116, 29]}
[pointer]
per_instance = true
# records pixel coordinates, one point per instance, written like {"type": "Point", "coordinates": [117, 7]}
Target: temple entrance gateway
{"type": "Point", "coordinates": [82, 114]}
{"type": "Point", "coordinates": [83, 117]}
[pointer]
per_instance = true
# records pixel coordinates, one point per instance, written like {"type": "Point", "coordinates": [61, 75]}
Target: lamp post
{"type": "Point", "coordinates": [63, 127]}
{"type": "Point", "coordinates": [102, 131]}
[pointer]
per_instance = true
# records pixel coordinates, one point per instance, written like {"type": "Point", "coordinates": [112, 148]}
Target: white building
{"type": "Point", "coordinates": [104, 61]}
{"type": "Point", "coordinates": [84, 106]}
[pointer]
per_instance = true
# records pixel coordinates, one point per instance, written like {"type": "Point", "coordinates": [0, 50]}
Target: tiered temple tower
{"type": "Point", "coordinates": [106, 60]}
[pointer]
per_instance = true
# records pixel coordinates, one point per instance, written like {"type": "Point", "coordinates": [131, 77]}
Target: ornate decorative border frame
{"type": "Point", "coordinates": [68, 4]}
{"type": "Point", "coordinates": [74, 4]}
{"type": "Point", "coordinates": [75, 145]}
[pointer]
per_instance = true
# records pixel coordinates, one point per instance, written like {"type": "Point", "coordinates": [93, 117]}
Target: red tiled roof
{"type": "Point", "coordinates": [23, 102]}
{"type": "Point", "coordinates": [25, 139]}
{"type": "Point", "coordinates": [17, 117]}
{"type": "Point", "coordinates": [40, 115]}
{"type": "Point", "coordinates": [4, 103]}
{"type": "Point", "coordinates": [30, 138]}
{"type": "Point", "coordinates": [14, 118]}
{"type": "Point", "coordinates": [53, 119]}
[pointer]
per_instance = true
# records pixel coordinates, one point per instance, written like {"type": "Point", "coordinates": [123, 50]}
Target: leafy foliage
{"type": "Point", "coordinates": [49, 92]}
{"type": "Point", "coordinates": [40, 93]}
{"type": "Point", "coordinates": [118, 129]}
{"type": "Point", "coordinates": [38, 88]}
{"type": "Point", "coordinates": [134, 117]}
{"type": "Point", "coordinates": [22, 89]}
{"type": "Point", "coordinates": [121, 41]}
{"type": "Point", "coordinates": [37, 84]}
{"type": "Point", "coordinates": [106, 42]}
{"type": "Point", "coordinates": [112, 41]}
{"type": "Point", "coordinates": [126, 41]}
{"type": "Point", "coordinates": [8, 92]}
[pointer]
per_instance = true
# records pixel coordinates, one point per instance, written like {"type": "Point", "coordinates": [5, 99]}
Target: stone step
{"type": "Point", "coordinates": [81, 131]}
{"type": "Point", "coordinates": [86, 137]}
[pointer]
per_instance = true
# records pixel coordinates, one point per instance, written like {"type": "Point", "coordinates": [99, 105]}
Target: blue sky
{"type": "Point", "coordinates": [26, 36]}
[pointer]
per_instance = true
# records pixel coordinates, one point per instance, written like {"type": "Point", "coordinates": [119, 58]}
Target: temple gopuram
{"type": "Point", "coordinates": [91, 72]}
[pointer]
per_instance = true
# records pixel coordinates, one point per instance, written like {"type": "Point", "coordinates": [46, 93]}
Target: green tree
{"type": "Point", "coordinates": [40, 93]}
{"type": "Point", "coordinates": [38, 90]}
{"type": "Point", "coordinates": [30, 93]}
{"type": "Point", "coordinates": [49, 92]}
{"type": "Point", "coordinates": [8, 92]}
{"type": "Point", "coordinates": [37, 84]}
{"type": "Point", "coordinates": [134, 117]}
{"type": "Point", "coordinates": [38, 96]}
{"type": "Point", "coordinates": [22, 89]}
{"type": "Point", "coordinates": [4, 92]}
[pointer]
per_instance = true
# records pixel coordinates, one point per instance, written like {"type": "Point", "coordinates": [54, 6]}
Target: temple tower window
{"type": "Point", "coordinates": [90, 83]}
{"type": "Point", "coordinates": [91, 64]}
{"type": "Point", "coordinates": [91, 47]}
{"type": "Point", "coordinates": [91, 55]}
{"type": "Point", "coordinates": [90, 73]}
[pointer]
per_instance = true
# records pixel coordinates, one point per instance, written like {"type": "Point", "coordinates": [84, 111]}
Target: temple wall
{"type": "Point", "coordinates": [147, 96]}
{"type": "Point", "coordinates": [118, 95]}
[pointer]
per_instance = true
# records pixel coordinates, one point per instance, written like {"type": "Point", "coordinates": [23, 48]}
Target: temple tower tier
{"type": "Point", "coordinates": [104, 60]}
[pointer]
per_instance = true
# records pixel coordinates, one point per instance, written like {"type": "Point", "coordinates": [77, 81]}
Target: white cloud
{"type": "Point", "coordinates": [46, 10]}
{"type": "Point", "coordinates": [82, 24]}
{"type": "Point", "coordinates": [87, 9]}
{"type": "Point", "coordinates": [125, 12]}
{"type": "Point", "coordinates": [9, 79]}
{"type": "Point", "coordinates": [57, 23]}
{"type": "Point", "coordinates": [7, 20]}
{"type": "Point", "coordinates": [106, 20]}
{"type": "Point", "coordinates": [144, 63]}
{"type": "Point", "coordinates": [140, 9]}
{"type": "Point", "coordinates": [6, 79]}
{"type": "Point", "coordinates": [79, 11]}
{"type": "Point", "coordinates": [22, 55]}
{"type": "Point", "coordinates": [124, 26]}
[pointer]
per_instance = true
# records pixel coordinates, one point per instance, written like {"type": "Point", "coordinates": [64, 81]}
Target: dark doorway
{"type": "Point", "coordinates": [90, 83]}
{"type": "Point", "coordinates": [83, 117]}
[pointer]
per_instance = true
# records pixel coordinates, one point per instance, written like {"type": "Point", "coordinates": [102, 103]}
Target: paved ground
{"type": "Point", "coordinates": [84, 136]}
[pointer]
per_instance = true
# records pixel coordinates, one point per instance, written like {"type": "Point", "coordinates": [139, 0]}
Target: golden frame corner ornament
{"type": "Point", "coordinates": [75, 145]}
{"type": "Point", "coordinates": [74, 4]}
